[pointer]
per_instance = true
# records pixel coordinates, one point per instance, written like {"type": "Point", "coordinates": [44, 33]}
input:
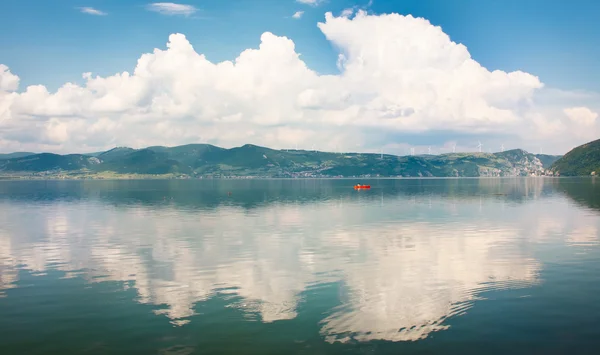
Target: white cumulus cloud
{"type": "Point", "coordinates": [92, 11]}
{"type": "Point", "coordinates": [400, 75]}
{"type": "Point", "coordinates": [298, 14]}
{"type": "Point", "coordinates": [169, 8]}
{"type": "Point", "coordinates": [8, 81]}
{"type": "Point", "coordinates": [582, 115]}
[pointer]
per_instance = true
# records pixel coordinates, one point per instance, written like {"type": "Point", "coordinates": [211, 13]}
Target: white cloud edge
{"type": "Point", "coordinates": [310, 2]}
{"type": "Point", "coordinates": [582, 115]}
{"type": "Point", "coordinates": [347, 12]}
{"type": "Point", "coordinates": [92, 11]}
{"type": "Point", "coordinates": [172, 9]}
{"type": "Point", "coordinates": [298, 14]}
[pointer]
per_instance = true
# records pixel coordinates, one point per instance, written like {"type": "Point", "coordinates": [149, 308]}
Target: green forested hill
{"type": "Point", "coordinates": [580, 161]}
{"type": "Point", "coordinates": [547, 160]}
{"type": "Point", "coordinates": [252, 160]}
{"type": "Point", "coordinates": [15, 155]}
{"type": "Point", "coordinates": [143, 161]}
{"type": "Point", "coordinates": [48, 162]}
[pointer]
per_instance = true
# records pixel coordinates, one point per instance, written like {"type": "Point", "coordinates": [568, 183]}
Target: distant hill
{"type": "Point", "coordinates": [251, 160]}
{"type": "Point", "coordinates": [48, 162]}
{"type": "Point", "coordinates": [192, 155]}
{"type": "Point", "coordinates": [580, 161]}
{"type": "Point", "coordinates": [15, 155]}
{"type": "Point", "coordinates": [113, 154]}
{"type": "Point", "coordinates": [143, 161]}
{"type": "Point", "coordinates": [547, 160]}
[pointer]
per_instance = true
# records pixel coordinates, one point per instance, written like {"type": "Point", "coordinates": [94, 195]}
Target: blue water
{"type": "Point", "coordinates": [412, 266]}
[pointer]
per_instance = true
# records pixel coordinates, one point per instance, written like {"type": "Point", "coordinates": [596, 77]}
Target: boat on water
{"type": "Point", "coordinates": [360, 187]}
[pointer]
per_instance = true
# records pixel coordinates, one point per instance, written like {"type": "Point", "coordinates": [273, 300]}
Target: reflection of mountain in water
{"type": "Point", "coordinates": [403, 266]}
{"type": "Point", "coordinates": [585, 191]}
{"type": "Point", "coordinates": [208, 194]}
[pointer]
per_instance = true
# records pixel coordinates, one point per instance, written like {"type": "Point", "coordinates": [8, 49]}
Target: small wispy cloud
{"type": "Point", "coordinates": [298, 14]}
{"type": "Point", "coordinates": [347, 12]}
{"type": "Point", "coordinates": [169, 8]}
{"type": "Point", "coordinates": [92, 11]}
{"type": "Point", "coordinates": [310, 2]}
{"type": "Point", "coordinates": [350, 11]}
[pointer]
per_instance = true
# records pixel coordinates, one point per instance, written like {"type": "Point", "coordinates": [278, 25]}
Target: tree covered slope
{"type": "Point", "coordinates": [15, 155]}
{"type": "Point", "coordinates": [48, 162]}
{"type": "Point", "coordinates": [252, 160]}
{"type": "Point", "coordinates": [582, 160]}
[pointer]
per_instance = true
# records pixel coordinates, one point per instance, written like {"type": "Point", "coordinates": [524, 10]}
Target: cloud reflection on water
{"type": "Point", "coordinates": [405, 262]}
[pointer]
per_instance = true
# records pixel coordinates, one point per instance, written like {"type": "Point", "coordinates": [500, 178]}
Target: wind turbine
{"type": "Point", "coordinates": [479, 146]}
{"type": "Point", "coordinates": [429, 150]}
{"type": "Point", "coordinates": [381, 153]}
{"type": "Point", "coordinates": [502, 148]}
{"type": "Point", "coordinates": [454, 148]}
{"type": "Point", "coordinates": [412, 151]}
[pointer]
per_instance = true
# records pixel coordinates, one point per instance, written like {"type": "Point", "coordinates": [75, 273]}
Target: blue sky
{"type": "Point", "coordinates": [392, 99]}
{"type": "Point", "coordinates": [556, 40]}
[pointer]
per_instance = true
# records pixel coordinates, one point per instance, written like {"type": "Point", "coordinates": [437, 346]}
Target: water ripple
{"type": "Point", "coordinates": [398, 263]}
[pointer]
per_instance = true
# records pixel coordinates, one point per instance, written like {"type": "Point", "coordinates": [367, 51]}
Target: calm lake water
{"type": "Point", "coordinates": [453, 266]}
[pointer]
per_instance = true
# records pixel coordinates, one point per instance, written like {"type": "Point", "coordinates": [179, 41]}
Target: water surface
{"type": "Point", "coordinates": [412, 266]}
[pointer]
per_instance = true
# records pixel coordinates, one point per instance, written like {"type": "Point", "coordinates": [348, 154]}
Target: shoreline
{"type": "Point", "coordinates": [121, 178]}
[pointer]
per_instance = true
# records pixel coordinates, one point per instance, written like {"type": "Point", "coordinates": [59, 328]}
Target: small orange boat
{"type": "Point", "coordinates": [360, 187]}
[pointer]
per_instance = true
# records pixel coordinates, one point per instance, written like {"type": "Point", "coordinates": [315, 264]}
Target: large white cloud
{"type": "Point", "coordinates": [399, 74]}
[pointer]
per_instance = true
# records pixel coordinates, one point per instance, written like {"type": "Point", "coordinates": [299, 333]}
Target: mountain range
{"type": "Point", "coordinates": [205, 160]}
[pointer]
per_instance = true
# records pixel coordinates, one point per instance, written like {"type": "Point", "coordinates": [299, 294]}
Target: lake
{"type": "Point", "coordinates": [411, 266]}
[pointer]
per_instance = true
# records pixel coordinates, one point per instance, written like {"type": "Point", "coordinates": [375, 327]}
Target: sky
{"type": "Point", "coordinates": [88, 75]}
